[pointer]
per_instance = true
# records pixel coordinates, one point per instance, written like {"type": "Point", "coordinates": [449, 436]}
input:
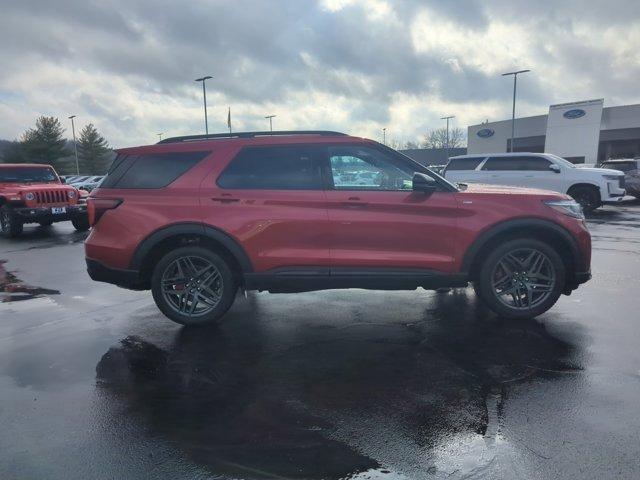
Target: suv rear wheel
{"type": "Point", "coordinates": [9, 224]}
{"type": "Point", "coordinates": [193, 286]}
{"type": "Point", "coordinates": [521, 279]}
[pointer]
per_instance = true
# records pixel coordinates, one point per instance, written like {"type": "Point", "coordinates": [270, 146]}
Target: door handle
{"type": "Point", "coordinates": [354, 202]}
{"type": "Point", "coordinates": [224, 199]}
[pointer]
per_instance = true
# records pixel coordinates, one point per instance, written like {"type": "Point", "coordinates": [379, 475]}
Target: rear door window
{"type": "Point", "coordinates": [517, 163]}
{"type": "Point", "coordinates": [155, 170]}
{"type": "Point", "coordinates": [295, 167]}
{"type": "Point", "coordinates": [469, 163]}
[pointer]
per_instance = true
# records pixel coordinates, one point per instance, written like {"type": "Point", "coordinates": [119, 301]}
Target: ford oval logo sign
{"type": "Point", "coordinates": [575, 113]}
{"type": "Point", "coordinates": [485, 133]}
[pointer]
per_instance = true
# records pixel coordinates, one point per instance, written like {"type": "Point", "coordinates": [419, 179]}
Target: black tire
{"type": "Point", "coordinates": [10, 226]}
{"type": "Point", "coordinates": [81, 224]}
{"type": "Point", "coordinates": [225, 284]}
{"type": "Point", "coordinates": [485, 288]}
{"type": "Point", "coordinates": [587, 197]}
{"type": "Point", "coordinates": [46, 224]}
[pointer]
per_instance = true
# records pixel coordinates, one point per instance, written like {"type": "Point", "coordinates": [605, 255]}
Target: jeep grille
{"type": "Point", "coordinates": [45, 197]}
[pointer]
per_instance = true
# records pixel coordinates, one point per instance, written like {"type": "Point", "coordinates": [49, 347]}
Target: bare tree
{"type": "Point", "coordinates": [437, 138]}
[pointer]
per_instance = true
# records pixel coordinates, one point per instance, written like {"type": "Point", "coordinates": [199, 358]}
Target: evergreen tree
{"type": "Point", "coordinates": [93, 151]}
{"type": "Point", "coordinates": [44, 143]}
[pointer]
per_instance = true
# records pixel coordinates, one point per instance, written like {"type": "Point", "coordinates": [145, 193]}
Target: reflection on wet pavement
{"type": "Point", "coordinates": [13, 290]}
{"type": "Point", "coordinates": [238, 405]}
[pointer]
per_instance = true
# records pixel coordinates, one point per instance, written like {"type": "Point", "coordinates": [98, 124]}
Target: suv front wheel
{"type": "Point", "coordinates": [521, 278]}
{"type": "Point", "coordinates": [193, 286]}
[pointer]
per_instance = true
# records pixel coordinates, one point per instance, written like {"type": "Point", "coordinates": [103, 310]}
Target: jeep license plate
{"type": "Point", "coordinates": [55, 210]}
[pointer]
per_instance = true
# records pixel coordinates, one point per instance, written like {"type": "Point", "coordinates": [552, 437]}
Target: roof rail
{"type": "Point", "coordinates": [213, 136]}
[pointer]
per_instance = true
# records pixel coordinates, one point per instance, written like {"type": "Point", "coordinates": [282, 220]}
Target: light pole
{"type": "Point", "coordinates": [384, 135]}
{"type": "Point", "coordinates": [160, 135]}
{"type": "Point", "coordinates": [447, 119]}
{"type": "Point", "coordinates": [270, 117]}
{"type": "Point", "coordinates": [204, 95]}
{"type": "Point", "coordinates": [513, 112]}
{"type": "Point", "coordinates": [75, 147]}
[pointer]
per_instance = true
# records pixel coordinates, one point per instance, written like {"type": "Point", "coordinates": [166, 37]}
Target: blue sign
{"type": "Point", "coordinates": [485, 133]}
{"type": "Point", "coordinates": [575, 113]}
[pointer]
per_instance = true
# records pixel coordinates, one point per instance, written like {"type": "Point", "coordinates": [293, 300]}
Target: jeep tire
{"type": "Point", "coordinates": [81, 224]}
{"type": "Point", "coordinates": [10, 225]}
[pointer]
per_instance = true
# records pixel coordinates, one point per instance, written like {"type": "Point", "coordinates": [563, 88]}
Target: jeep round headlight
{"type": "Point", "coordinates": [30, 196]}
{"type": "Point", "coordinates": [71, 194]}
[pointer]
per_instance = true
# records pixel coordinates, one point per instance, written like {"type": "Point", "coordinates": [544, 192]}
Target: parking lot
{"type": "Point", "coordinates": [96, 383]}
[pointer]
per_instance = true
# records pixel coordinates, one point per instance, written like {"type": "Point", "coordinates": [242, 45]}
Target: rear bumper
{"type": "Point", "coordinates": [123, 278]}
{"type": "Point", "coordinates": [43, 214]}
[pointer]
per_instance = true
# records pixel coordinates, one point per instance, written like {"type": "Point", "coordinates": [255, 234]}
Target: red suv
{"type": "Point", "coordinates": [196, 218]}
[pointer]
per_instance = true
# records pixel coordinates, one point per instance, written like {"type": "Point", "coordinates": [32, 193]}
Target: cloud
{"type": "Point", "coordinates": [128, 66]}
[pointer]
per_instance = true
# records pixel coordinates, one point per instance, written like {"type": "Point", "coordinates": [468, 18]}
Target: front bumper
{"type": "Point", "coordinates": [123, 278]}
{"type": "Point", "coordinates": [43, 214]}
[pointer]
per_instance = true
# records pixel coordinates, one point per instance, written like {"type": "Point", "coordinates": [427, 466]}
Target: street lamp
{"type": "Point", "coordinates": [447, 119]}
{"type": "Point", "coordinates": [75, 147]}
{"type": "Point", "coordinates": [384, 135]}
{"type": "Point", "coordinates": [160, 135]}
{"type": "Point", "coordinates": [270, 117]}
{"type": "Point", "coordinates": [513, 112]}
{"type": "Point", "coordinates": [204, 95]}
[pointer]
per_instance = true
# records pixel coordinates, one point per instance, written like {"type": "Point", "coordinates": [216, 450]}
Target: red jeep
{"type": "Point", "coordinates": [195, 218]}
{"type": "Point", "coordinates": [33, 193]}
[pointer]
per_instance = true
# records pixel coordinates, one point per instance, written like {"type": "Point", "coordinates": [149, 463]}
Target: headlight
{"type": "Point", "coordinates": [30, 196]}
{"type": "Point", "coordinates": [567, 207]}
{"type": "Point", "coordinates": [71, 194]}
{"type": "Point", "coordinates": [612, 177]}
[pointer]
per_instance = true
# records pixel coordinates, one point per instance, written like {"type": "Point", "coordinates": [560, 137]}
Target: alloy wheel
{"type": "Point", "coordinates": [523, 278]}
{"type": "Point", "coordinates": [192, 286]}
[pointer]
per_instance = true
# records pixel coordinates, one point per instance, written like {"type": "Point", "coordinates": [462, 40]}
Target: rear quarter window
{"type": "Point", "coordinates": [156, 170]}
{"type": "Point", "coordinates": [469, 163]}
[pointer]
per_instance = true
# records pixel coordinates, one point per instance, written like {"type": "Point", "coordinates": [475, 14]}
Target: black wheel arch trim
{"type": "Point", "coordinates": [220, 236]}
{"type": "Point", "coordinates": [507, 225]}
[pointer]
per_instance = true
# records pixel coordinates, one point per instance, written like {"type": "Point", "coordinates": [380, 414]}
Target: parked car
{"type": "Point", "coordinates": [590, 187]}
{"type": "Point", "coordinates": [78, 179]}
{"type": "Point", "coordinates": [90, 184]}
{"type": "Point", "coordinates": [196, 218]}
{"type": "Point", "coordinates": [33, 193]}
{"type": "Point", "coordinates": [631, 169]}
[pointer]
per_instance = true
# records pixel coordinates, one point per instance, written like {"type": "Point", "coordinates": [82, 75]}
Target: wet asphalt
{"type": "Point", "coordinates": [96, 384]}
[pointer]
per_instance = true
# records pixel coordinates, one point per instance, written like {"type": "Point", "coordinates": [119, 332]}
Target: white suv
{"type": "Point", "coordinates": [590, 187]}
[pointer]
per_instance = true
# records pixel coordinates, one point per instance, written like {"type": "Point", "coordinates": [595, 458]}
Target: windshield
{"type": "Point", "coordinates": [27, 175]}
{"type": "Point", "coordinates": [622, 166]}
{"type": "Point", "coordinates": [562, 161]}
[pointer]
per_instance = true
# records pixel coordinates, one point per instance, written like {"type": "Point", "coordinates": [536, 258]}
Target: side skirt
{"type": "Point", "coordinates": [291, 280]}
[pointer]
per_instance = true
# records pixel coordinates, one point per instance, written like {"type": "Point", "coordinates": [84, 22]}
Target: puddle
{"type": "Point", "coordinates": [345, 400]}
{"type": "Point", "coordinates": [12, 289]}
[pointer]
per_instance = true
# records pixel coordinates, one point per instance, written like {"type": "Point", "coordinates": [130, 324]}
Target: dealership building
{"type": "Point", "coordinates": [581, 132]}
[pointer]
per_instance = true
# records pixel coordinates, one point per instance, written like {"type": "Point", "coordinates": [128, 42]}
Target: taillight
{"type": "Point", "coordinates": [97, 206]}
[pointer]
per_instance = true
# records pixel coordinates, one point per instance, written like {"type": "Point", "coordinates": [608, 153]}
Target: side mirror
{"type": "Point", "coordinates": [423, 183]}
{"type": "Point", "coordinates": [554, 168]}
{"type": "Point", "coordinates": [63, 180]}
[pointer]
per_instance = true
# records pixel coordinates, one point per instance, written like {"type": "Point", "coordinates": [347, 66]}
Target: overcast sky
{"type": "Point", "coordinates": [128, 66]}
